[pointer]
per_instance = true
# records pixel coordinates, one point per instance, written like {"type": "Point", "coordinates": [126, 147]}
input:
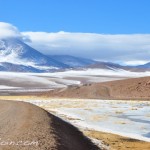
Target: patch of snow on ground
{"type": "Point", "coordinates": [4, 87]}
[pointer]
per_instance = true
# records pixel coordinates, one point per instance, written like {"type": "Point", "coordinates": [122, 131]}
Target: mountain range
{"type": "Point", "coordinates": [16, 56]}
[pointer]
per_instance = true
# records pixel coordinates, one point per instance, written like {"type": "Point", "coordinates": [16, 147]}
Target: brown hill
{"type": "Point", "coordinates": [135, 88]}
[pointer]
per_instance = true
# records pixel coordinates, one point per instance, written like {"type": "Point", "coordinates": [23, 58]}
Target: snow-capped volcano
{"type": "Point", "coordinates": [16, 55]}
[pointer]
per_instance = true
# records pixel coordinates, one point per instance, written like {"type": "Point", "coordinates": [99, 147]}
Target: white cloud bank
{"type": "Point", "coordinates": [134, 48]}
{"type": "Point", "coordinates": [127, 48]}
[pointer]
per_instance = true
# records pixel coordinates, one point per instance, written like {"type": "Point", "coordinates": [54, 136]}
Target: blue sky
{"type": "Point", "coordinates": [94, 16]}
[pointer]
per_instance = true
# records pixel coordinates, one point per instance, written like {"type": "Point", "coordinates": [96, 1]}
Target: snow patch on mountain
{"type": "Point", "coordinates": [16, 53]}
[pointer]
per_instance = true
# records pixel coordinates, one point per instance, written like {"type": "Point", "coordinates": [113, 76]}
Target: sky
{"type": "Point", "coordinates": [108, 30]}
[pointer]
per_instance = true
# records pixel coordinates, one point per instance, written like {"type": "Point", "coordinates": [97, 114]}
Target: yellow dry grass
{"type": "Point", "coordinates": [117, 142]}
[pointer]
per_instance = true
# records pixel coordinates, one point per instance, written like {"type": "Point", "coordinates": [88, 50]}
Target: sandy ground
{"type": "Point", "coordinates": [24, 126]}
{"type": "Point", "coordinates": [136, 88]}
{"type": "Point", "coordinates": [34, 124]}
{"type": "Point", "coordinates": [116, 142]}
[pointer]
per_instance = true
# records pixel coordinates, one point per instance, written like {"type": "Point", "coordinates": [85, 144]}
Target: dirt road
{"type": "Point", "coordinates": [24, 126]}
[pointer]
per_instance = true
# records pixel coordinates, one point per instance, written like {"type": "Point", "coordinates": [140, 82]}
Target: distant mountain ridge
{"type": "Point", "coordinates": [17, 56]}
{"type": "Point", "coordinates": [73, 61]}
{"type": "Point", "coordinates": [145, 66]}
{"type": "Point", "coordinates": [106, 65]}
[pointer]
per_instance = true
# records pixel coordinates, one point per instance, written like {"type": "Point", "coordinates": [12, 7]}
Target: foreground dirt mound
{"type": "Point", "coordinates": [136, 88]}
{"type": "Point", "coordinates": [24, 126]}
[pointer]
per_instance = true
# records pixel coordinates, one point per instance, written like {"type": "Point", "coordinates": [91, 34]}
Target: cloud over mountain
{"type": "Point", "coordinates": [7, 30]}
{"type": "Point", "coordinates": [130, 48]}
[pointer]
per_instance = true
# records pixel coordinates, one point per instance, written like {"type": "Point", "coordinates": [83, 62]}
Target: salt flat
{"type": "Point", "coordinates": [126, 118]}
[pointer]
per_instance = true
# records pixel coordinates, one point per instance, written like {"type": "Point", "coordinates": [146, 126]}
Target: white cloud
{"type": "Point", "coordinates": [119, 47]}
{"type": "Point", "coordinates": [135, 62]}
{"type": "Point", "coordinates": [7, 30]}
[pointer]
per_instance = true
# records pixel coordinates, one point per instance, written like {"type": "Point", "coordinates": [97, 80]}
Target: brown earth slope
{"type": "Point", "coordinates": [135, 88]}
{"type": "Point", "coordinates": [24, 126]}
